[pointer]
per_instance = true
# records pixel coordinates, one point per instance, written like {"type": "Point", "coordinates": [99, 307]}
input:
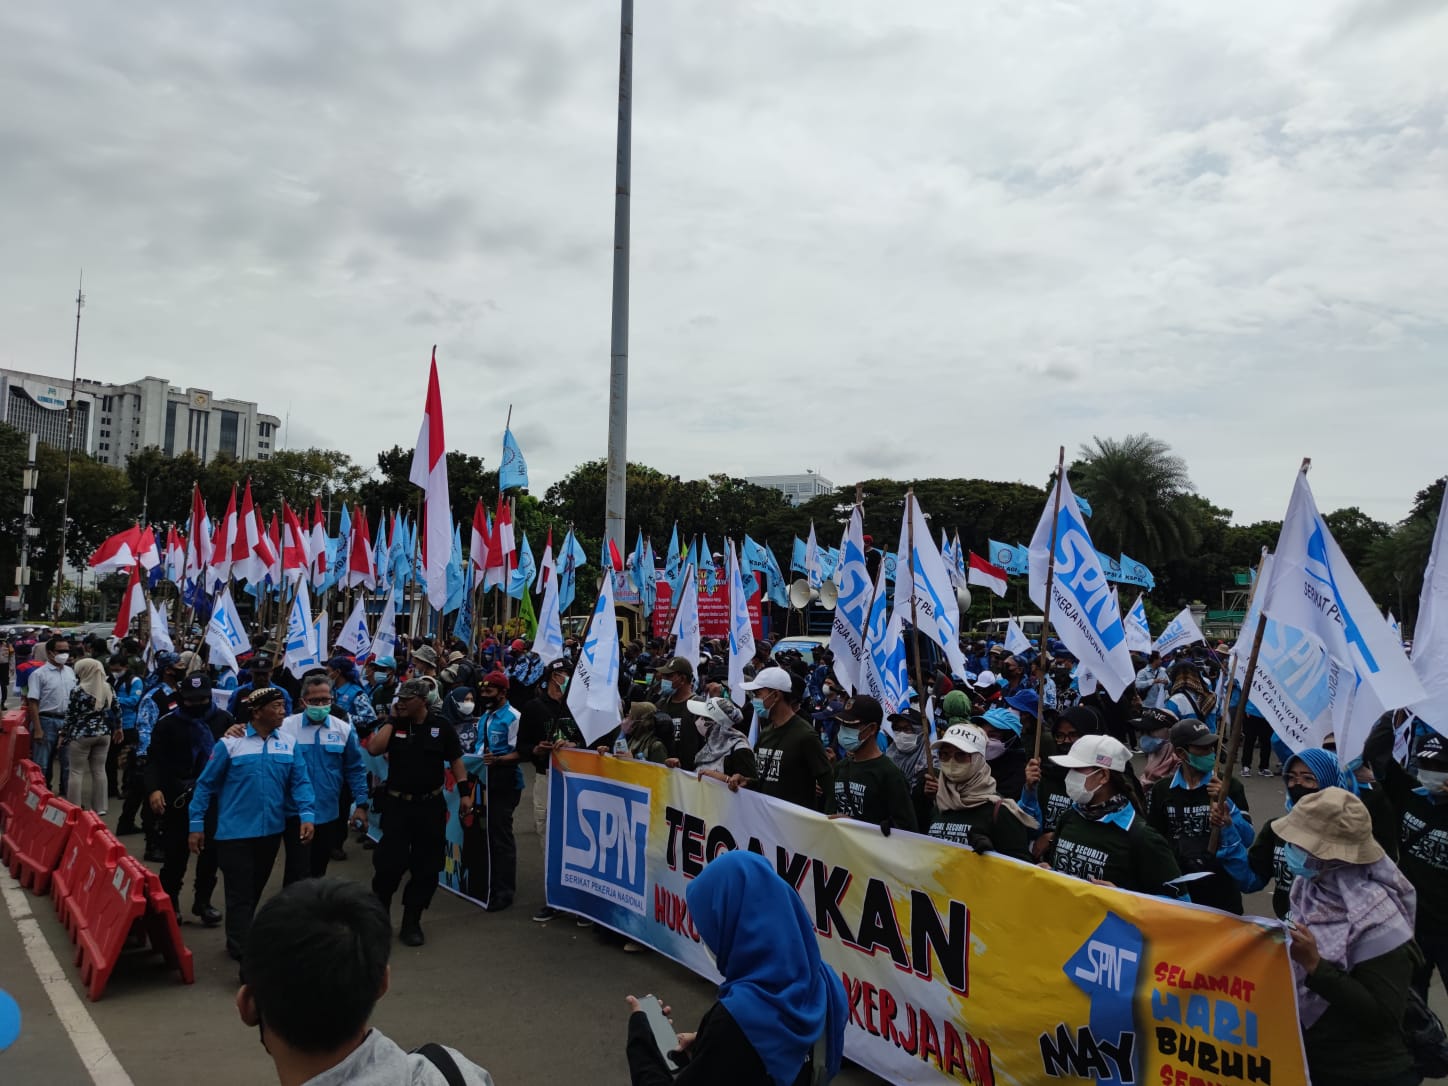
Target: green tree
{"type": "Point", "coordinates": [1355, 532]}
{"type": "Point", "coordinates": [1136, 486]}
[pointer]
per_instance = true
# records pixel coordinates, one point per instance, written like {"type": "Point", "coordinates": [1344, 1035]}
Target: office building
{"type": "Point", "coordinates": [797, 488]}
{"type": "Point", "coordinates": [112, 421]}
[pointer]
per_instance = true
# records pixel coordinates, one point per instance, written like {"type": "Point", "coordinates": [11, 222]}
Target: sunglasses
{"type": "Point", "coordinates": [952, 754]}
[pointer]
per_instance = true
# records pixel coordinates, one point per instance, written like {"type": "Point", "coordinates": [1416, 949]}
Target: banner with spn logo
{"type": "Point", "coordinates": [958, 967]}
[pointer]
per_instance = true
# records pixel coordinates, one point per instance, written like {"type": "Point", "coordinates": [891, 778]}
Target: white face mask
{"type": "Point", "coordinates": [1433, 780]}
{"type": "Point", "coordinates": [467, 707]}
{"type": "Point", "coordinates": [907, 741]}
{"type": "Point", "coordinates": [1076, 787]}
{"type": "Point", "coordinates": [61, 658]}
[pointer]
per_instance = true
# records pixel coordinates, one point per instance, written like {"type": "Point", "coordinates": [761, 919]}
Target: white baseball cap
{"type": "Point", "coordinates": [985, 679]}
{"type": "Point", "coordinates": [1095, 752]}
{"type": "Point", "coordinates": [720, 710]}
{"type": "Point", "coordinates": [772, 678]}
{"type": "Point", "coordinates": [966, 737]}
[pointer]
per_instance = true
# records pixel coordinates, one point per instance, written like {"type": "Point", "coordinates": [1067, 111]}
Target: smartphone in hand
{"type": "Point", "coordinates": [664, 1035]}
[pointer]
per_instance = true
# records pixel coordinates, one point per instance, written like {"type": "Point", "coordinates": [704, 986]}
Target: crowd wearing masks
{"type": "Point", "coordinates": [224, 770]}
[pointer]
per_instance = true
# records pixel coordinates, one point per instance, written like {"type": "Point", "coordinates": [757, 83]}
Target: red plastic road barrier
{"type": "Point", "coordinates": [164, 930]}
{"type": "Point", "coordinates": [38, 856]}
{"type": "Point", "coordinates": [22, 825]}
{"type": "Point", "coordinates": [14, 740]}
{"type": "Point", "coordinates": [89, 862]}
{"type": "Point", "coordinates": [14, 784]}
{"type": "Point", "coordinates": [102, 937]}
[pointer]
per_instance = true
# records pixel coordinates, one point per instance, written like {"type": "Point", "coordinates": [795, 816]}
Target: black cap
{"type": "Point", "coordinates": [561, 664]}
{"type": "Point", "coordinates": [261, 697]}
{"type": "Point", "coordinates": [861, 711]}
{"type": "Point", "coordinates": [196, 686]}
{"type": "Point", "coordinates": [1152, 719]}
{"type": "Point", "coordinates": [1433, 750]}
{"type": "Point", "coordinates": [1191, 732]}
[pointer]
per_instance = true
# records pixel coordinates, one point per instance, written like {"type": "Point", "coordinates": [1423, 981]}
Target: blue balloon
{"type": "Point", "coordinates": [9, 1020]}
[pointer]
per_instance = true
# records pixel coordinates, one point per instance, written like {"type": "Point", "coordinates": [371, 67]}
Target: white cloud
{"type": "Point", "coordinates": [937, 237]}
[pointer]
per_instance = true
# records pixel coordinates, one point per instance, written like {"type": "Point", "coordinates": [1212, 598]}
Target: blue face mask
{"type": "Point", "coordinates": [759, 710]}
{"type": "Point", "coordinates": [666, 686]}
{"type": "Point", "coordinates": [848, 739]}
{"type": "Point", "coordinates": [1297, 862]}
{"type": "Point", "coordinates": [1150, 744]}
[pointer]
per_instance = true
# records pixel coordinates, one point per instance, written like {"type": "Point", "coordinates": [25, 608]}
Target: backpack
{"type": "Point", "coordinates": [1424, 1035]}
{"type": "Point", "coordinates": [442, 1059]}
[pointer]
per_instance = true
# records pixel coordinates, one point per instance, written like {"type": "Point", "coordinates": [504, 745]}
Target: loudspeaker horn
{"type": "Point", "coordinates": [829, 595]}
{"type": "Point", "coordinates": [962, 597]}
{"type": "Point", "coordinates": [800, 594]}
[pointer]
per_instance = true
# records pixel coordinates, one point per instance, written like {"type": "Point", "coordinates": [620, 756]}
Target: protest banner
{"type": "Point", "coordinates": [958, 967]}
{"type": "Point", "coordinates": [713, 611]}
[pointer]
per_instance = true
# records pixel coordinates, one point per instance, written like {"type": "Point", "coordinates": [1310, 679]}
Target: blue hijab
{"type": "Point", "coordinates": [775, 985]}
{"type": "Point", "coordinates": [1323, 764]}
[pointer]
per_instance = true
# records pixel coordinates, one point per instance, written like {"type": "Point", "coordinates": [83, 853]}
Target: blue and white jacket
{"type": "Point", "coordinates": [332, 755]}
{"type": "Point", "coordinates": [498, 734]}
{"type": "Point", "coordinates": [255, 781]}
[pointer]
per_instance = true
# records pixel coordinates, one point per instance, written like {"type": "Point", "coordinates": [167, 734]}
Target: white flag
{"type": "Point", "coordinates": [741, 631]}
{"type": "Point", "coordinates": [593, 690]}
{"type": "Point", "coordinates": [1295, 684]}
{"type": "Point", "coordinates": [852, 578]}
{"type": "Point", "coordinates": [548, 644]}
{"type": "Point", "coordinates": [883, 672]}
{"type": "Point", "coordinates": [812, 559]}
{"type": "Point", "coordinates": [225, 633]}
{"type": "Point", "coordinates": [1016, 641]}
{"type": "Point", "coordinates": [1314, 589]}
{"type": "Point", "coordinates": [385, 641]}
{"type": "Point", "coordinates": [929, 593]}
{"type": "Point", "coordinates": [1180, 631]}
{"type": "Point", "coordinates": [686, 619]}
{"type": "Point", "coordinates": [160, 633]}
{"type": "Point", "coordinates": [1430, 632]}
{"type": "Point", "coordinates": [354, 637]}
{"type": "Point", "coordinates": [301, 644]}
{"type": "Point", "coordinates": [1138, 629]}
{"type": "Point", "coordinates": [1082, 613]}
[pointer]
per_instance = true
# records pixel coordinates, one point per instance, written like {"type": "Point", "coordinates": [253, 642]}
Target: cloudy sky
{"type": "Point", "coordinates": [919, 238]}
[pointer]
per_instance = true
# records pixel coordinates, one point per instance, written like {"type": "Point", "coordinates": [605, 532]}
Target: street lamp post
{"type": "Point", "coordinates": [69, 449]}
{"type": "Point", "coordinates": [616, 493]}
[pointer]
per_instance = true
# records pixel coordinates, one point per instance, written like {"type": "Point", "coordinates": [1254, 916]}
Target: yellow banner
{"type": "Point", "coordinates": [958, 967]}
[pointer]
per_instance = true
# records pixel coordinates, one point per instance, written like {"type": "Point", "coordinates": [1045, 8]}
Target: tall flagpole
{"type": "Point", "coordinates": [617, 487]}
{"type": "Point", "coordinates": [69, 450]}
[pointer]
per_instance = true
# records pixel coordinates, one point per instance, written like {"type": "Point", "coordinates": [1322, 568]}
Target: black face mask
{"type": "Point", "coordinates": [197, 708]}
{"type": "Point", "coordinates": [1295, 792]}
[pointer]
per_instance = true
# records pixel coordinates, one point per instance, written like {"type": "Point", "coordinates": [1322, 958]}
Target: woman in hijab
{"type": "Point", "coordinates": [1304, 773]}
{"type": "Point", "coordinates": [911, 755]}
{"type": "Point", "coordinates": [726, 755]}
{"type": "Point", "coordinates": [780, 1008]}
{"type": "Point", "coordinates": [1153, 733]}
{"type": "Point", "coordinates": [460, 708]}
{"type": "Point", "coordinates": [89, 722]}
{"type": "Point", "coordinates": [967, 809]}
{"type": "Point", "coordinates": [1352, 946]}
{"type": "Point", "coordinates": [641, 733]}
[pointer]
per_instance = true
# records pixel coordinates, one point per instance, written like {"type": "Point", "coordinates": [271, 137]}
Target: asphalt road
{"type": "Point", "coordinates": [533, 1003]}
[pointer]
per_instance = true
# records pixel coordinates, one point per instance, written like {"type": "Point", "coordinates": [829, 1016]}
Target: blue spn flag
{"type": "Point", "coordinates": [463, 625]}
{"type": "Point", "coordinates": [797, 556]}
{"type": "Point", "coordinates": [762, 560]}
{"type": "Point", "coordinates": [1109, 566]}
{"type": "Point", "coordinates": [671, 561]}
{"type": "Point", "coordinates": [513, 470]}
{"type": "Point", "coordinates": [1011, 558]}
{"type": "Point", "coordinates": [706, 565]}
{"type": "Point", "coordinates": [1083, 505]}
{"type": "Point", "coordinates": [567, 571]}
{"type": "Point", "coordinates": [337, 570]}
{"type": "Point", "coordinates": [1133, 572]}
{"type": "Point", "coordinates": [526, 571]}
{"type": "Point", "coordinates": [457, 579]}
{"type": "Point", "coordinates": [648, 579]}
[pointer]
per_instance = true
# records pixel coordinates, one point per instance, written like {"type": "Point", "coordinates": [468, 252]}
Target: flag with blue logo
{"type": "Point", "coordinates": [671, 560]}
{"type": "Point", "coordinates": [338, 549]}
{"type": "Point", "coordinates": [457, 578]}
{"type": "Point", "coordinates": [706, 566]}
{"type": "Point", "coordinates": [385, 643]}
{"type": "Point", "coordinates": [354, 636]}
{"type": "Point", "coordinates": [548, 643]}
{"type": "Point", "coordinates": [1133, 572]}
{"type": "Point", "coordinates": [1010, 557]}
{"type": "Point", "coordinates": [302, 653]}
{"type": "Point", "coordinates": [812, 569]}
{"type": "Point", "coordinates": [1179, 633]}
{"type": "Point", "coordinates": [1109, 566]}
{"type": "Point", "coordinates": [593, 691]}
{"type": "Point", "coordinates": [512, 469]}
{"type": "Point", "coordinates": [1430, 631]}
{"type": "Point", "coordinates": [1138, 629]}
{"type": "Point", "coordinates": [1016, 641]}
{"type": "Point", "coordinates": [924, 595]}
{"type": "Point", "coordinates": [1083, 611]}
{"type": "Point", "coordinates": [225, 633]}
{"type": "Point", "coordinates": [382, 557]}
{"type": "Point", "coordinates": [747, 568]}
{"type": "Point", "coordinates": [1314, 589]}
{"type": "Point", "coordinates": [526, 571]}
{"type": "Point", "coordinates": [798, 563]}
{"type": "Point", "coordinates": [636, 564]}
{"type": "Point", "coordinates": [648, 579]}
{"type": "Point", "coordinates": [463, 623]}
{"type": "Point", "coordinates": [686, 617]}
{"type": "Point", "coordinates": [567, 571]}
{"type": "Point", "coordinates": [763, 561]}
{"type": "Point", "coordinates": [852, 610]}
{"type": "Point", "coordinates": [741, 630]}
{"type": "Point", "coordinates": [1083, 505]}
{"type": "Point", "coordinates": [884, 675]}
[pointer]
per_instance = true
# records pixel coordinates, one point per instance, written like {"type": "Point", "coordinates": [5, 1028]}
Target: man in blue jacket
{"type": "Point", "coordinates": [328, 745]}
{"type": "Point", "coordinates": [254, 779]}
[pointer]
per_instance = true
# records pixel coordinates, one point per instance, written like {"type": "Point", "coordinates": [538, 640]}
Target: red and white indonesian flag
{"type": "Point", "coordinates": [251, 553]}
{"type": "Point", "coordinates": [295, 555]}
{"type": "Point", "coordinates": [224, 543]}
{"type": "Point", "coordinates": [986, 575]}
{"type": "Point", "coordinates": [361, 565]}
{"type": "Point", "coordinates": [318, 547]}
{"type": "Point", "coordinates": [479, 546]}
{"type": "Point", "coordinates": [148, 554]}
{"type": "Point", "coordinates": [117, 553]}
{"type": "Point", "coordinates": [429, 471]}
{"type": "Point", "coordinates": [198, 538]}
{"type": "Point", "coordinates": [133, 603]}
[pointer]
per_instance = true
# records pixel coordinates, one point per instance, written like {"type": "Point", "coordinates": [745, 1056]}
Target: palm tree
{"type": "Point", "coordinates": [1136, 486]}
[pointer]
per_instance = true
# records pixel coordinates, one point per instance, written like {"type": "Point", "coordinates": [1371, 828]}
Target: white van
{"type": "Point", "coordinates": [995, 628]}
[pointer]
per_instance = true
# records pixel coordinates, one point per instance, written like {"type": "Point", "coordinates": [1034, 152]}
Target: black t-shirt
{"type": "Point", "coordinates": [792, 762]}
{"type": "Point", "coordinates": [1007, 833]}
{"type": "Point", "coordinates": [872, 791]}
{"type": "Point", "coordinates": [544, 720]}
{"type": "Point", "coordinates": [1135, 858]}
{"type": "Point", "coordinates": [684, 741]}
{"type": "Point", "coordinates": [417, 754]}
{"type": "Point", "coordinates": [1183, 817]}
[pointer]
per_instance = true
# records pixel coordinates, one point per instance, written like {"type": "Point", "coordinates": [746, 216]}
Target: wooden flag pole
{"type": "Point", "coordinates": [1050, 580]}
{"type": "Point", "coordinates": [1233, 743]}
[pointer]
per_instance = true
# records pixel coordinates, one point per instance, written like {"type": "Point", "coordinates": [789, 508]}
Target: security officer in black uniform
{"type": "Point", "coordinates": [180, 746]}
{"type": "Point", "coordinates": [419, 744]}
